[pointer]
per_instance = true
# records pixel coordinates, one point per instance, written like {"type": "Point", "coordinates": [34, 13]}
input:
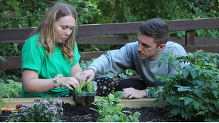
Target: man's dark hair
{"type": "Point", "coordinates": [157, 29]}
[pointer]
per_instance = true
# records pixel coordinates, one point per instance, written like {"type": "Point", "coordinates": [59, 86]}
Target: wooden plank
{"type": "Point", "coordinates": [127, 28]}
{"type": "Point", "coordinates": [15, 34]}
{"type": "Point", "coordinates": [206, 41]}
{"type": "Point", "coordinates": [132, 103]}
{"type": "Point", "coordinates": [108, 29]}
{"type": "Point", "coordinates": [12, 102]}
{"type": "Point", "coordinates": [87, 56]}
{"type": "Point", "coordinates": [12, 62]}
{"type": "Point", "coordinates": [13, 41]}
{"type": "Point", "coordinates": [122, 40]}
{"type": "Point", "coordinates": [193, 24]}
{"type": "Point", "coordinates": [114, 40]}
{"type": "Point", "coordinates": [116, 28]}
{"type": "Point", "coordinates": [144, 102]}
{"type": "Point", "coordinates": [206, 48]}
{"type": "Point", "coordinates": [15, 62]}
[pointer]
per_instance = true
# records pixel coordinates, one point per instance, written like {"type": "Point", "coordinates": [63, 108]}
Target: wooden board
{"type": "Point", "coordinates": [133, 103]}
{"type": "Point", "coordinates": [15, 62]}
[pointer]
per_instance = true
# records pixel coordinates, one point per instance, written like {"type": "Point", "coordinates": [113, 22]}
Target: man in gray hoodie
{"type": "Point", "coordinates": [142, 56]}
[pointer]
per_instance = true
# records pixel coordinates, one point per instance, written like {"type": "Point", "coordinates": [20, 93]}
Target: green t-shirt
{"type": "Point", "coordinates": [35, 58]}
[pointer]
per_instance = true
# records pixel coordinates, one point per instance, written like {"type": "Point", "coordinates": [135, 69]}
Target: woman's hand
{"type": "Point", "coordinates": [68, 82]}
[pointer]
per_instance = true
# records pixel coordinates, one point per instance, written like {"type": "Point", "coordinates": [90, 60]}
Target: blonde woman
{"type": "Point", "coordinates": [50, 58]}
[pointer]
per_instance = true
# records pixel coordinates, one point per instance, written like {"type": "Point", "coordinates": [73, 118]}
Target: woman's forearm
{"type": "Point", "coordinates": [39, 85]}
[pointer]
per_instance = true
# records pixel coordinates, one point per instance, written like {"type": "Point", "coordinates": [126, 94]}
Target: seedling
{"type": "Point", "coordinates": [86, 86]}
{"type": "Point", "coordinates": [110, 110]}
{"type": "Point", "coordinates": [84, 93]}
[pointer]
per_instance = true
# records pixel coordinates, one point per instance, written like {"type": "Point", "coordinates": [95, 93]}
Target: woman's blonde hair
{"type": "Point", "coordinates": [47, 31]}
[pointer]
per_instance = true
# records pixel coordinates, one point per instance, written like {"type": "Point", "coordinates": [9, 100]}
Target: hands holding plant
{"type": "Point", "coordinates": [81, 79]}
{"type": "Point", "coordinates": [69, 82]}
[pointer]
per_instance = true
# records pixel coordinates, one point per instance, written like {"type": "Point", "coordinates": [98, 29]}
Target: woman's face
{"type": "Point", "coordinates": [63, 28]}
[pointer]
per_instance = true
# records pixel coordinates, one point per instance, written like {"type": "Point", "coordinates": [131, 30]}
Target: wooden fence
{"type": "Point", "coordinates": [100, 34]}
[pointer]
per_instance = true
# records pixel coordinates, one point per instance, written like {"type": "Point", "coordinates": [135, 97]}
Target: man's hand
{"type": "Point", "coordinates": [133, 93]}
{"type": "Point", "coordinates": [86, 74]}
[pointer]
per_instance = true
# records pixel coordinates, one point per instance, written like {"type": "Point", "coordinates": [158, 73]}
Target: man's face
{"type": "Point", "coordinates": [147, 48]}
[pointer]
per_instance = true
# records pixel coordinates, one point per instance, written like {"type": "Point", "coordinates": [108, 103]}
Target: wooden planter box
{"type": "Point", "coordinates": [132, 103]}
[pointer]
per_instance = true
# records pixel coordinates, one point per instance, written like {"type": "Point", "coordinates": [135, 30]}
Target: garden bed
{"type": "Point", "coordinates": [150, 111]}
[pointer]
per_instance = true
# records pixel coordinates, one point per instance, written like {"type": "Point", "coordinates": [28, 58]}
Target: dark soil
{"type": "Point", "coordinates": [82, 113]}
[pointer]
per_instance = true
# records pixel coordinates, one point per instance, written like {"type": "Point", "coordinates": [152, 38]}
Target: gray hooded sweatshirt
{"type": "Point", "coordinates": [126, 57]}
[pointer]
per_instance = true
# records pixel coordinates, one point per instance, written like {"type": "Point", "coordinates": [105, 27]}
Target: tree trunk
{"type": "Point", "coordinates": [114, 10]}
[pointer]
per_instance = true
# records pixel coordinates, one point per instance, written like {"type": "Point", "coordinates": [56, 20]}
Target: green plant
{"type": "Point", "coordinates": [90, 87]}
{"type": "Point", "coordinates": [11, 90]}
{"type": "Point", "coordinates": [110, 110]}
{"type": "Point", "coordinates": [47, 110]}
{"type": "Point", "coordinates": [85, 86]}
{"type": "Point", "coordinates": [14, 89]}
{"type": "Point", "coordinates": [193, 91]}
{"type": "Point", "coordinates": [123, 75]}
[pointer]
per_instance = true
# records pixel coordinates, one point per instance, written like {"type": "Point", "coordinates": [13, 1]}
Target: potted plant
{"type": "Point", "coordinates": [84, 93]}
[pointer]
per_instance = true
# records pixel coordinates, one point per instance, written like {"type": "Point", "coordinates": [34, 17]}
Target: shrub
{"type": "Point", "coordinates": [194, 90]}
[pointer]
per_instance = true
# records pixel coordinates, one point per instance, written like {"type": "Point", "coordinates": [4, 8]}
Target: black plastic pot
{"type": "Point", "coordinates": [84, 97]}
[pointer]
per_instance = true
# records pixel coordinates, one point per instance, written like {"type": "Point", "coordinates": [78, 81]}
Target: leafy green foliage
{"type": "Point", "coordinates": [110, 110]}
{"type": "Point", "coordinates": [90, 87]}
{"type": "Point", "coordinates": [85, 86]}
{"type": "Point", "coordinates": [47, 110]}
{"type": "Point", "coordinates": [123, 75]}
{"type": "Point", "coordinates": [194, 90]}
{"type": "Point", "coordinates": [11, 90]}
